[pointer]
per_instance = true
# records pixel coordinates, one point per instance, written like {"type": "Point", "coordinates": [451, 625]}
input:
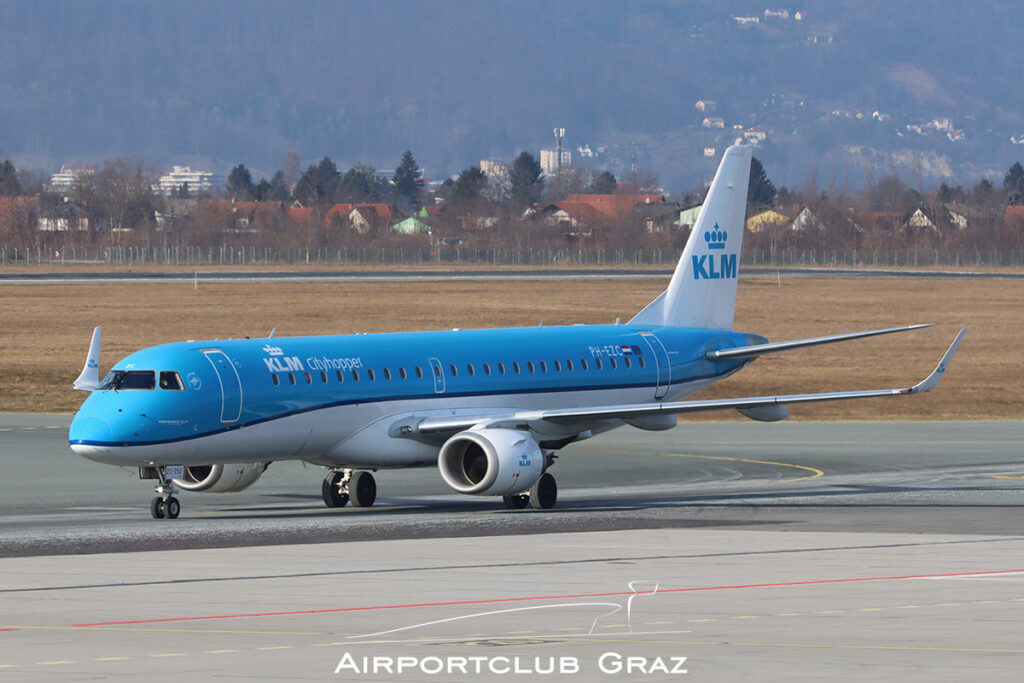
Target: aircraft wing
{"type": "Point", "coordinates": [541, 420]}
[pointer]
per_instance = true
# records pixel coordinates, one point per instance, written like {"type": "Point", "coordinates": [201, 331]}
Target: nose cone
{"type": "Point", "coordinates": [89, 430]}
{"type": "Point", "coordinates": [90, 437]}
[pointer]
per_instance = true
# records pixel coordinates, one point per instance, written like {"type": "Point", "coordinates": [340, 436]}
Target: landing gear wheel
{"type": "Point", "coordinates": [544, 493]}
{"type": "Point", "coordinates": [172, 508]}
{"type": "Point", "coordinates": [331, 490]}
{"type": "Point", "coordinates": [516, 502]}
{"type": "Point", "coordinates": [156, 508]}
{"type": "Point", "coordinates": [362, 489]}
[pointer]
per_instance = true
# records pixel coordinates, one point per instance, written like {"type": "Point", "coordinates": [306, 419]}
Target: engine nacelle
{"type": "Point", "coordinates": [221, 478]}
{"type": "Point", "coordinates": [491, 462]}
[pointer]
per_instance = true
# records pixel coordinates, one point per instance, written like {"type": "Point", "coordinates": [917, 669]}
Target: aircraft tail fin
{"type": "Point", "coordinates": [702, 292]}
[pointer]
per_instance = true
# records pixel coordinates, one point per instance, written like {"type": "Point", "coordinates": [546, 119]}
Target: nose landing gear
{"type": "Point", "coordinates": [165, 504]}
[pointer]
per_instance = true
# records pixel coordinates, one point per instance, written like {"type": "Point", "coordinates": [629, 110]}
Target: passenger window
{"type": "Point", "coordinates": [355, 375]}
{"type": "Point", "coordinates": [323, 377]}
{"type": "Point", "coordinates": [558, 366]}
{"type": "Point", "coordinates": [291, 379]}
{"type": "Point", "coordinates": [583, 364]}
{"type": "Point", "coordinates": [171, 381]}
{"type": "Point", "coordinates": [615, 366]}
{"type": "Point", "coordinates": [543, 366]}
{"type": "Point", "coordinates": [369, 373]}
{"type": "Point", "coordinates": [309, 378]}
{"type": "Point", "coordinates": [455, 370]}
{"type": "Point", "coordinates": [341, 376]}
{"type": "Point", "coordinates": [487, 369]}
{"type": "Point", "coordinates": [275, 379]}
{"type": "Point", "coordinates": [529, 366]}
{"type": "Point", "coordinates": [470, 369]}
{"type": "Point", "coordinates": [642, 362]}
{"type": "Point", "coordinates": [387, 374]}
{"type": "Point", "coordinates": [401, 373]}
{"type": "Point", "coordinates": [626, 361]}
{"type": "Point", "coordinates": [598, 364]}
{"type": "Point", "coordinates": [501, 368]}
{"type": "Point", "coordinates": [515, 366]}
{"type": "Point", "coordinates": [419, 372]}
{"type": "Point", "coordinates": [569, 365]}
{"type": "Point", "coordinates": [437, 370]}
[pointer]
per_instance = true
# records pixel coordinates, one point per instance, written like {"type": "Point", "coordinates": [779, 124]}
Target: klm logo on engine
{"type": "Point", "coordinates": [706, 266]}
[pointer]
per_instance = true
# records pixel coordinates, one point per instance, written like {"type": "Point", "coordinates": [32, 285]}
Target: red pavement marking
{"type": "Point", "coordinates": [536, 597]}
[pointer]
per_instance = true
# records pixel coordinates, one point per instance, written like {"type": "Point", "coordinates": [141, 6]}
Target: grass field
{"type": "Point", "coordinates": [46, 329]}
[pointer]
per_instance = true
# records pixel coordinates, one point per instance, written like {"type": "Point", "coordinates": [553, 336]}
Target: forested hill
{"type": "Point", "coordinates": [849, 91]}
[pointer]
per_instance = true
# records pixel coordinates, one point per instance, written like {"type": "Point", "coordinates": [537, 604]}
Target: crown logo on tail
{"type": "Point", "coordinates": [716, 238]}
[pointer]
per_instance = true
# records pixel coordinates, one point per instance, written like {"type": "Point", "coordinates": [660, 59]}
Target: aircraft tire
{"type": "Point", "coordinates": [516, 502]}
{"type": "Point", "coordinates": [362, 490]}
{"type": "Point", "coordinates": [172, 508]}
{"type": "Point", "coordinates": [544, 493]}
{"type": "Point", "coordinates": [156, 508]}
{"type": "Point", "coordinates": [333, 498]}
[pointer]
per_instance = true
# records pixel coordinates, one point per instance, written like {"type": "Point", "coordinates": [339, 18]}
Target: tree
{"type": "Point", "coordinates": [982, 193]}
{"type": "Point", "coordinates": [469, 187]}
{"type": "Point", "coordinates": [9, 185]}
{"type": "Point", "coordinates": [408, 181]}
{"type": "Point", "coordinates": [1013, 183]}
{"type": "Point", "coordinates": [359, 184]}
{"type": "Point", "coordinates": [527, 181]}
{"type": "Point", "coordinates": [604, 183]}
{"type": "Point", "coordinates": [760, 190]}
{"type": "Point", "coordinates": [291, 169]}
{"type": "Point", "coordinates": [318, 183]}
{"type": "Point", "coordinates": [183, 191]}
{"type": "Point", "coordinates": [262, 191]}
{"type": "Point", "coordinates": [280, 190]}
{"type": "Point", "coordinates": [239, 185]}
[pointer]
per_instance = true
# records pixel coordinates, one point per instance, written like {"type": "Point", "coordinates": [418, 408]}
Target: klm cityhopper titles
{"type": "Point", "coordinates": [489, 408]}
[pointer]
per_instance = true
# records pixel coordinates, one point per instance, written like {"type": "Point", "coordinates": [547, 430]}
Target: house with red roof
{"type": "Point", "coordinates": [1013, 219]}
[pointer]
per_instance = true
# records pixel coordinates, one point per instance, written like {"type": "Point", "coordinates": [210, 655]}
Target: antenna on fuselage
{"type": "Point", "coordinates": [618, 321]}
{"type": "Point", "coordinates": [271, 335]}
{"type": "Point", "coordinates": [541, 323]}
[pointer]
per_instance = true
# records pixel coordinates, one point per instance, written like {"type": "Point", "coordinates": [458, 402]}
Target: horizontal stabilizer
{"type": "Point", "coordinates": [775, 347]}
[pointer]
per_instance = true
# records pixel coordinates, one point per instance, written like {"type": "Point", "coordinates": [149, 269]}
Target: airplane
{"type": "Point", "coordinates": [489, 407]}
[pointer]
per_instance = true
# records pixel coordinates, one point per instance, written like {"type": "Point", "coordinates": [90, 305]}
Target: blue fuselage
{"type": "Point", "coordinates": [307, 397]}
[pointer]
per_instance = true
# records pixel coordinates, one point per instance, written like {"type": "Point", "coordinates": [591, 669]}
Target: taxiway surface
{"type": "Point", "coordinates": [787, 551]}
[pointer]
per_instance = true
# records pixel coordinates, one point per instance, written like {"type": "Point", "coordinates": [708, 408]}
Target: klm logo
{"type": "Point", "coordinates": [283, 364]}
{"type": "Point", "coordinates": [706, 266]}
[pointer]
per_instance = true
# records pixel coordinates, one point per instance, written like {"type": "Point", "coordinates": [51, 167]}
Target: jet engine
{"type": "Point", "coordinates": [221, 478]}
{"type": "Point", "coordinates": [491, 462]}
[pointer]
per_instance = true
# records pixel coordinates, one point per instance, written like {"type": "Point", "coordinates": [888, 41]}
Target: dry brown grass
{"type": "Point", "coordinates": [46, 330]}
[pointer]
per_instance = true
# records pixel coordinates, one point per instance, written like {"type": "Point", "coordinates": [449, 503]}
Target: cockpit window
{"type": "Point", "coordinates": [129, 379]}
{"type": "Point", "coordinates": [171, 381]}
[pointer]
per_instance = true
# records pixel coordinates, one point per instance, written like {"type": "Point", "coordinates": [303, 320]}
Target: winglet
{"type": "Point", "coordinates": [90, 377]}
{"type": "Point", "coordinates": [932, 380]}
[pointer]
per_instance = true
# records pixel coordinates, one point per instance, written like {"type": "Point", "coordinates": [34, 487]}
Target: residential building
{"type": "Point", "coordinates": [713, 122]}
{"type": "Point", "coordinates": [198, 181]}
{"type": "Point", "coordinates": [549, 161]}
{"type": "Point", "coordinates": [65, 180]}
{"type": "Point", "coordinates": [411, 226]}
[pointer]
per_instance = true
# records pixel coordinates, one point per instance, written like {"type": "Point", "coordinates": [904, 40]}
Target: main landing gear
{"type": "Point", "coordinates": [165, 504]}
{"type": "Point", "coordinates": [339, 488]}
{"type": "Point", "coordinates": [542, 495]}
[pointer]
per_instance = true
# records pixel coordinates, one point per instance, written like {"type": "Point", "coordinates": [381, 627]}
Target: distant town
{"type": "Point", "coordinates": [559, 199]}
